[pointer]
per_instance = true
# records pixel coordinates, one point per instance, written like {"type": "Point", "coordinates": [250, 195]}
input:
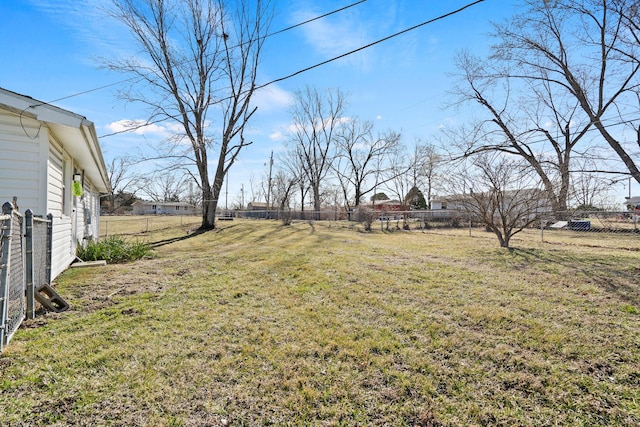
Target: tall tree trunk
{"type": "Point", "coordinates": [209, 204]}
{"type": "Point", "coordinates": [316, 201]}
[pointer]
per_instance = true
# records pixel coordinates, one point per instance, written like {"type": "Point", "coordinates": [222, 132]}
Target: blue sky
{"type": "Point", "coordinates": [51, 47]}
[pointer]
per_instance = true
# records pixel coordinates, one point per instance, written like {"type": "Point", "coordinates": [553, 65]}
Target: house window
{"type": "Point", "coordinates": [444, 206]}
{"type": "Point", "coordinates": [153, 207]}
{"type": "Point", "coordinates": [177, 208]}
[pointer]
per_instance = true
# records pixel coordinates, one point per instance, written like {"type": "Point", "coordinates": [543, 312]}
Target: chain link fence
{"type": "Point", "coordinates": [589, 228]}
{"type": "Point", "coordinates": [12, 285]}
{"type": "Point", "coordinates": [38, 242]}
{"type": "Point", "coordinates": [134, 225]}
{"type": "Point", "coordinates": [25, 263]}
{"type": "Point", "coordinates": [594, 228]}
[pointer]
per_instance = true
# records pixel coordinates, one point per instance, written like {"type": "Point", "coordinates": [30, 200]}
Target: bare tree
{"type": "Point", "coordinates": [293, 167]}
{"type": "Point", "coordinates": [123, 181]}
{"type": "Point", "coordinates": [503, 194]}
{"type": "Point", "coordinates": [398, 174]}
{"type": "Point", "coordinates": [169, 186]}
{"type": "Point", "coordinates": [255, 191]}
{"type": "Point", "coordinates": [425, 162]}
{"type": "Point", "coordinates": [359, 154]}
{"type": "Point", "coordinates": [316, 116]}
{"type": "Point", "coordinates": [532, 121]}
{"type": "Point", "coordinates": [283, 186]}
{"type": "Point", "coordinates": [590, 51]}
{"type": "Point", "coordinates": [590, 191]}
{"type": "Point", "coordinates": [200, 56]}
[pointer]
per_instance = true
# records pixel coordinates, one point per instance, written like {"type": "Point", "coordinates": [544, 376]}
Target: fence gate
{"type": "Point", "coordinates": [12, 284]}
{"type": "Point", "coordinates": [25, 264]}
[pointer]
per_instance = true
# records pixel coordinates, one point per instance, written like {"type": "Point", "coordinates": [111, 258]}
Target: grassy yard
{"type": "Point", "coordinates": [262, 324]}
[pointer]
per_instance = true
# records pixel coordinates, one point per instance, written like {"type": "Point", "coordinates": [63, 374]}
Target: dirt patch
{"type": "Point", "coordinates": [100, 288]}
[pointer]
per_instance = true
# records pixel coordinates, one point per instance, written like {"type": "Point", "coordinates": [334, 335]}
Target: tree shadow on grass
{"type": "Point", "coordinates": [279, 232]}
{"type": "Point", "coordinates": [164, 242]}
{"type": "Point", "coordinates": [615, 277]}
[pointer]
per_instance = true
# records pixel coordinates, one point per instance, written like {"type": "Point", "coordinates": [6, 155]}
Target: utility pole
{"type": "Point", "coordinates": [269, 183]}
{"type": "Point", "coordinates": [242, 197]}
{"type": "Point", "coordinates": [226, 195]}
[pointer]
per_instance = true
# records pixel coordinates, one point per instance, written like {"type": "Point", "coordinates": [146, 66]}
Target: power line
{"type": "Point", "coordinates": [335, 58]}
{"type": "Point", "coordinates": [315, 19]}
{"type": "Point", "coordinates": [619, 121]}
{"type": "Point", "coordinates": [232, 47]}
{"type": "Point", "coordinates": [372, 44]}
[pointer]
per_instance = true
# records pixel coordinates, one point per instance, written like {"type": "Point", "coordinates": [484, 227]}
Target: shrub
{"type": "Point", "coordinates": [286, 217]}
{"type": "Point", "coordinates": [366, 216]}
{"type": "Point", "coordinates": [114, 250]}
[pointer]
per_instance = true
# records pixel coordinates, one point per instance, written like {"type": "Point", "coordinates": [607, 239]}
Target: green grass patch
{"type": "Point", "coordinates": [263, 324]}
{"type": "Point", "coordinates": [114, 249]}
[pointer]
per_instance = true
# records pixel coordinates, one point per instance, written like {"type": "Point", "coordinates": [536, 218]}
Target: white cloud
{"type": "Point", "coordinates": [87, 21]}
{"type": "Point", "coordinates": [139, 127]}
{"type": "Point", "coordinates": [272, 98]}
{"type": "Point", "coordinates": [332, 37]}
{"type": "Point", "coordinates": [277, 136]}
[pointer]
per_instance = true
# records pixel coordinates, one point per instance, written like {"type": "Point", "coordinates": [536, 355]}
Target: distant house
{"type": "Point", "coordinates": [50, 159]}
{"type": "Point", "coordinates": [453, 203]}
{"type": "Point", "coordinates": [632, 202]}
{"type": "Point", "coordinates": [257, 206]}
{"type": "Point", "coordinates": [256, 210]}
{"type": "Point", "coordinates": [144, 207]}
{"type": "Point", "coordinates": [530, 200]}
{"type": "Point", "coordinates": [388, 205]}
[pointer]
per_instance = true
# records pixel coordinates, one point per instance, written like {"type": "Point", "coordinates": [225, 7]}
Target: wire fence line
{"type": "Point", "coordinates": [134, 225]}
{"type": "Point", "coordinates": [616, 228]}
{"type": "Point", "coordinates": [594, 221]}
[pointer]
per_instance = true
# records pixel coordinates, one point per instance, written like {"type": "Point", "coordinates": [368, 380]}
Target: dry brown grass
{"type": "Point", "coordinates": [262, 324]}
{"type": "Point", "coordinates": [146, 224]}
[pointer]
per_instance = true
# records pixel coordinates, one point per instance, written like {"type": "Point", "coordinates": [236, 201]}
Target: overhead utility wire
{"type": "Point", "coordinates": [372, 44]}
{"type": "Point", "coordinates": [311, 67]}
{"type": "Point", "coordinates": [232, 47]}
{"type": "Point", "coordinates": [315, 19]}
{"type": "Point", "coordinates": [618, 121]}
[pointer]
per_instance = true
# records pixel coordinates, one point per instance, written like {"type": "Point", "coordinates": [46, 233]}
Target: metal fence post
{"type": "Point", "coordinates": [49, 246]}
{"type": "Point", "coordinates": [28, 224]}
{"type": "Point", "coordinates": [5, 242]}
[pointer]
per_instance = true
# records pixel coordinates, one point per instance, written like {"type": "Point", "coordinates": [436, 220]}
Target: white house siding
{"type": "Point", "coordinates": [70, 225]}
{"type": "Point", "coordinates": [91, 207]}
{"type": "Point", "coordinates": [22, 152]}
{"type": "Point", "coordinates": [41, 146]}
{"type": "Point", "coordinates": [19, 162]}
{"type": "Point", "coordinates": [62, 253]}
{"type": "Point", "coordinates": [55, 184]}
{"type": "Point", "coordinates": [78, 217]}
{"type": "Point", "coordinates": [95, 215]}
